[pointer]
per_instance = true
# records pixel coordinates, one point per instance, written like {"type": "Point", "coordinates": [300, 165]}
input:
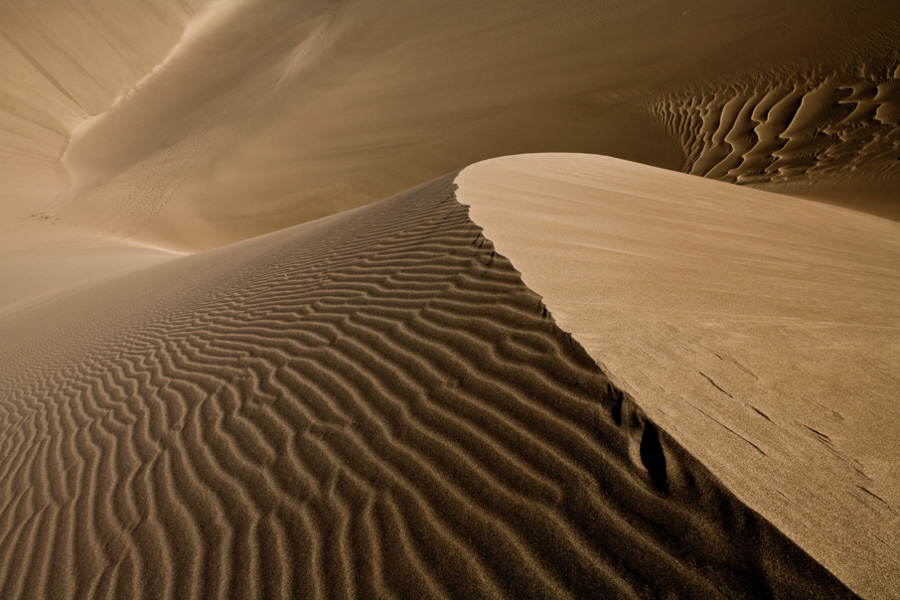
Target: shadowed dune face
{"type": "Point", "coordinates": [761, 331]}
{"type": "Point", "coordinates": [372, 405]}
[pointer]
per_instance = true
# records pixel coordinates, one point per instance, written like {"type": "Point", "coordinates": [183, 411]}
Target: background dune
{"type": "Point", "coordinates": [63, 63]}
{"type": "Point", "coordinates": [266, 114]}
{"type": "Point", "coordinates": [833, 136]}
{"type": "Point", "coordinates": [318, 107]}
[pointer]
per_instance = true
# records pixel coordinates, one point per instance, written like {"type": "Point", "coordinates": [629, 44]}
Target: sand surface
{"type": "Point", "coordinates": [161, 117]}
{"type": "Point", "coordinates": [185, 124]}
{"type": "Point", "coordinates": [710, 387]}
{"type": "Point", "coordinates": [760, 331]}
{"type": "Point", "coordinates": [371, 405]}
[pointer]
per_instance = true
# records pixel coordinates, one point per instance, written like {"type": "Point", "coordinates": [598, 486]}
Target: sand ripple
{"type": "Point", "coordinates": [789, 127]}
{"type": "Point", "coordinates": [372, 405]}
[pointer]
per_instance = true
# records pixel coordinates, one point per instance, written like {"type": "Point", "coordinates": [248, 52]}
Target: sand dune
{"type": "Point", "coordinates": [841, 130]}
{"type": "Point", "coordinates": [304, 109]}
{"type": "Point", "coordinates": [65, 61]}
{"type": "Point", "coordinates": [372, 405]}
{"type": "Point", "coordinates": [760, 331]}
{"type": "Point", "coordinates": [186, 124]}
{"type": "Point", "coordinates": [591, 378]}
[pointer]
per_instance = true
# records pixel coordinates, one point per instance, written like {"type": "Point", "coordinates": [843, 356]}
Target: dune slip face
{"type": "Point", "coordinates": [760, 331]}
{"type": "Point", "coordinates": [369, 405]}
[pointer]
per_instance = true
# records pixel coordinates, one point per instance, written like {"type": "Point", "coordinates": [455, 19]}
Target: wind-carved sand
{"type": "Point", "coordinates": [265, 114]}
{"type": "Point", "coordinates": [760, 331]}
{"type": "Point", "coordinates": [376, 404]}
{"type": "Point", "coordinates": [370, 405]}
{"type": "Point", "coordinates": [841, 130]}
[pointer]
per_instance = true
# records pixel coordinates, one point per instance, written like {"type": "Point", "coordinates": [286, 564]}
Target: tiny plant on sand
{"type": "Point", "coordinates": [44, 217]}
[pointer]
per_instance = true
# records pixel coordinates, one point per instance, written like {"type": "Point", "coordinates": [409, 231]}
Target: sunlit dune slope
{"type": "Point", "coordinates": [265, 114]}
{"type": "Point", "coordinates": [761, 331]}
{"type": "Point", "coordinates": [186, 124]}
{"type": "Point", "coordinates": [62, 63]}
{"type": "Point", "coordinates": [370, 405]}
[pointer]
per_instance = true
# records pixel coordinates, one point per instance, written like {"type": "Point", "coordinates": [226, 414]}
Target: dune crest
{"type": "Point", "coordinates": [370, 405]}
{"type": "Point", "coordinates": [759, 330]}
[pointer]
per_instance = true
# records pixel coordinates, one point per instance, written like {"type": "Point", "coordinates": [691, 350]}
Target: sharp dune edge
{"type": "Point", "coordinates": [760, 331]}
{"type": "Point", "coordinates": [371, 405]}
{"type": "Point", "coordinates": [549, 374]}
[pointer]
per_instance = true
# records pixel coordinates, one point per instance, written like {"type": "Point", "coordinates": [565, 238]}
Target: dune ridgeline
{"type": "Point", "coordinates": [637, 337]}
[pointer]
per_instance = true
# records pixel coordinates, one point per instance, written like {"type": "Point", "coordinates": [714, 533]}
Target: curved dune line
{"type": "Point", "coordinates": [491, 425]}
{"type": "Point", "coordinates": [371, 406]}
{"type": "Point", "coordinates": [465, 471]}
{"type": "Point", "coordinates": [805, 126]}
{"type": "Point", "coordinates": [446, 425]}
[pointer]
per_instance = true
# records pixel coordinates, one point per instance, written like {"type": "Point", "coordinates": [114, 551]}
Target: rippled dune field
{"type": "Point", "coordinates": [636, 337]}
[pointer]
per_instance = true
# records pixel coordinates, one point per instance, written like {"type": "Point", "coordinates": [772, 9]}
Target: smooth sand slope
{"type": "Point", "coordinates": [188, 123]}
{"type": "Point", "coordinates": [63, 62]}
{"type": "Point", "coordinates": [370, 405]}
{"type": "Point", "coordinates": [762, 332]}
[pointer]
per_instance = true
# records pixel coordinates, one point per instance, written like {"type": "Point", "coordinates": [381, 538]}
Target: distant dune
{"type": "Point", "coordinates": [299, 110]}
{"type": "Point", "coordinates": [600, 358]}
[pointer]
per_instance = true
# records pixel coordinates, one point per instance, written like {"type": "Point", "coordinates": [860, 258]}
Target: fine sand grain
{"type": "Point", "coordinates": [761, 331]}
{"type": "Point", "coordinates": [222, 375]}
{"type": "Point", "coordinates": [372, 405]}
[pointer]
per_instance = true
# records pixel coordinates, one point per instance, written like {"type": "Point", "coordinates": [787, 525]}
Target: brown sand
{"type": "Point", "coordinates": [808, 133]}
{"type": "Point", "coordinates": [761, 331]}
{"type": "Point", "coordinates": [372, 405]}
{"type": "Point", "coordinates": [266, 114]}
{"type": "Point", "coordinates": [133, 132]}
{"type": "Point", "coordinates": [62, 62]}
{"type": "Point", "coordinates": [185, 124]}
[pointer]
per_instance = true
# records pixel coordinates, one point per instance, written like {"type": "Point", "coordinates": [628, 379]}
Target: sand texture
{"type": "Point", "coordinates": [308, 108]}
{"type": "Point", "coordinates": [639, 336]}
{"type": "Point", "coordinates": [373, 405]}
{"type": "Point", "coordinates": [760, 331]}
{"type": "Point", "coordinates": [805, 131]}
